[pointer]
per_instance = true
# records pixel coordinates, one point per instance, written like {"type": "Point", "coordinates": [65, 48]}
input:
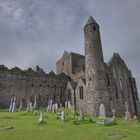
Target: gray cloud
{"type": "Point", "coordinates": [38, 31]}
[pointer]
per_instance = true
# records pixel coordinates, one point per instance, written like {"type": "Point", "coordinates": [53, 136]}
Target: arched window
{"type": "Point", "coordinates": [108, 80]}
{"type": "Point", "coordinates": [69, 94]}
{"type": "Point", "coordinates": [63, 63]}
{"type": "Point", "coordinates": [81, 92]}
{"type": "Point", "coordinates": [121, 84]}
{"type": "Point", "coordinates": [116, 88]}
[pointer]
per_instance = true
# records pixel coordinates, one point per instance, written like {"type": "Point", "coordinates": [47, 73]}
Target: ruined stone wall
{"type": "Point", "coordinates": [121, 87]}
{"type": "Point", "coordinates": [71, 64]}
{"type": "Point", "coordinates": [25, 84]}
{"type": "Point", "coordinates": [64, 64]}
{"type": "Point", "coordinates": [78, 63]}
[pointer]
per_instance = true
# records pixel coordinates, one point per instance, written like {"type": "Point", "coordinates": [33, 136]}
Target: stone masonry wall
{"type": "Point", "coordinates": [25, 84]}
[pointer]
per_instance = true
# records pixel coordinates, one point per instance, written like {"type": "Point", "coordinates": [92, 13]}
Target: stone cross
{"type": "Point", "coordinates": [21, 104]}
{"type": "Point", "coordinates": [62, 117]}
{"type": "Point", "coordinates": [28, 106]}
{"type": "Point", "coordinates": [11, 103]}
{"type": "Point", "coordinates": [113, 112]}
{"type": "Point", "coordinates": [56, 106]}
{"type": "Point", "coordinates": [127, 113]}
{"type": "Point", "coordinates": [31, 107]}
{"type": "Point", "coordinates": [126, 106]}
{"type": "Point", "coordinates": [102, 113]}
{"type": "Point", "coordinates": [35, 102]}
{"type": "Point", "coordinates": [14, 104]}
{"type": "Point", "coordinates": [41, 117]}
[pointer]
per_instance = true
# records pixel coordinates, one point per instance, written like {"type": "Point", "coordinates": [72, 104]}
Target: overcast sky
{"type": "Point", "coordinates": [38, 31]}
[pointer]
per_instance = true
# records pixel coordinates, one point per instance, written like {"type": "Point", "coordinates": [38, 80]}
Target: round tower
{"type": "Point", "coordinates": [96, 88]}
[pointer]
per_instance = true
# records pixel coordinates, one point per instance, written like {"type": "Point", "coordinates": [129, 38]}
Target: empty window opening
{"type": "Point", "coordinates": [69, 94]}
{"type": "Point", "coordinates": [81, 92]}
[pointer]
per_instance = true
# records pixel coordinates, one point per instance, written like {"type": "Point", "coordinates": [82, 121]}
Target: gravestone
{"type": "Point", "coordinates": [62, 117]}
{"type": "Point", "coordinates": [66, 104]}
{"type": "Point", "coordinates": [102, 113]}
{"type": "Point", "coordinates": [49, 108]}
{"type": "Point", "coordinates": [28, 106]}
{"type": "Point", "coordinates": [21, 104]}
{"type": "Point", "coordinates": [93, 111]}
{"type": "Point", "coordinates": [127, 113]}
{"type": "Point", "coordinates": [81, 117]}
{"type": "Point", "coordinates": [53, 108]}
{"type": "Point", "coordinates": [113, 113]}
{"type": "Point", "coordinates": [41, 117]}
{"type": "Point", "coordinates": [14, 104]}
{"type": "Point", "coordinates": [56, 106]}
{"type": "Point", "coordinates": [35, 103]}
{"type": "Point", "coordinates": [31, 107]}
{"type": "Point", "coordinates": [69, 105]}
{"type": "Point", "coordinates": [11, 103]}
{"type": "Point", "coordinates": [135, 119]}
{"type": "Point", "coordinates": [60, 105]}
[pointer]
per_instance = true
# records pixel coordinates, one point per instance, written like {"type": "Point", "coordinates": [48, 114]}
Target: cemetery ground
{"type": "Point", "coordinates": [26, 127]}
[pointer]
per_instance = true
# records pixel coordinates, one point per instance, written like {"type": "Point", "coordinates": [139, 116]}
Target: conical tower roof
{"type": "Point", "coordinates": [91, 20]}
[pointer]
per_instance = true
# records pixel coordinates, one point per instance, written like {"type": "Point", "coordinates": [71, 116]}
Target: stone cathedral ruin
{"type": "Point", "coordinates": [83, 81]}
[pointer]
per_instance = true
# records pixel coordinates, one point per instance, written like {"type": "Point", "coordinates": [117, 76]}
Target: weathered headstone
{"type": "Point", "coordinates": [53, 108]}
{"type": "Point", "coordinates": [41, 117]}
{"type": "Point", "coordinates": [93, 111]}
{"type": "Point", "coordinates": [56, 106]}
{"type": "Point", "coordinates": [81, 117]}
{"type": "Point", "coordinates": [113, 113]}
{"type": "Point", "coordinates": [14, 104]}
{"type": "Point", "coordinates": [35, 102]}
{"type": "Point", "coordinates": [102, 113]}
{"type": "Point", "coordinates": [11, 104]}
{"type": "Point", "coordinates": [31, 107]}
{"type": "Point", "coordinates": [62, 117]}
{"type": "Point", "coordinates": [28, 106]}
{"type": "Point", "coordinates": [135, 119]}
{"type": "Point", "coordinates": [60, 105]}
{"type": "Point", "coordinates": [66, 104]}
{"type": "Point", "coordinates": [21, 104]}
{"type": "Point", "coordinates": [69, 105]}
{"type": "Point", "coordinates": [127, 113]}
{"type": "Point", "coordinates": [49, 107]}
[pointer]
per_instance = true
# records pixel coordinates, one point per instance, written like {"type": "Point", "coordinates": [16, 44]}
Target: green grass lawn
{"type": "Point", "coordinates": [26, 127]}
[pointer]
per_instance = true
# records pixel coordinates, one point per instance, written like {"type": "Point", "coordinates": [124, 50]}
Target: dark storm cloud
{"type": "Point", "coordinates": [38, 31]}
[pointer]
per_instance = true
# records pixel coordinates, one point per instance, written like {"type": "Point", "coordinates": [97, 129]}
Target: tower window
{"type": "Point", "coordinates": [108, 80]}
{"type": "Point", "coordinates": [121, 84]}
{"type": "Point", "coordinates": [63, 63]}
{"type": "Point", "coordinates": [116, 88]}
{"type": "Point", "coordinates": [69, 94]}
{"type": "Point", "coordinates": [94, 28]}
{"type": "Point", "coordinates": [81, 92]}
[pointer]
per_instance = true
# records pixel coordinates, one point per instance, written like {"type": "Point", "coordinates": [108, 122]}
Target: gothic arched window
{"type": "Point", "coordinates": [81, 92]}
{"type": "Point", "coordinates": [121, 84]}
{"type": "Point", "coordinates": [69, 94]}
